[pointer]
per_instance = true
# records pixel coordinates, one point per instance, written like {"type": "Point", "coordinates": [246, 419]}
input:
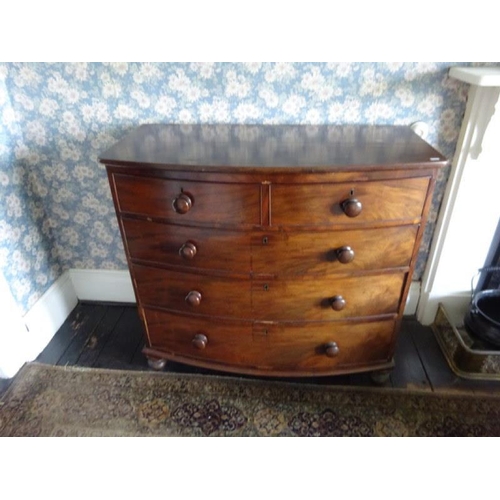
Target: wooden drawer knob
{"type": "Point", "coordinates": [331, 349]}
{"type": "Point", "coordinates": [337, 303]}
{"type": "Point", "coordinates": [352, 207]}
{"type": "Point", "coordinates": [200, 341]}
{"type": "Point", "coordinates": [193, 298]}
{"type": "Point", "coordinates": [345, 254]}
{"type": "Point", "coordinates": [182, 203]}
{"type": "Point", "coordinates": [188, 250]}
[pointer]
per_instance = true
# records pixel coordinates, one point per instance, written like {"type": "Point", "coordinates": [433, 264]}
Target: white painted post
{"type": "Point", "coordinates": [471, 206]}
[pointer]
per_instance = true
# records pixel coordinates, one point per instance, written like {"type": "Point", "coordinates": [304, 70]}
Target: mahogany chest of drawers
{"type": "Point", "coordinates": [272, 250]}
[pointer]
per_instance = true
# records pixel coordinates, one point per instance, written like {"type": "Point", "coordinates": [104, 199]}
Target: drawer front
{"type": "Point", "coordinates": [192, 293]}
{"type": "Point", "coordinates": [188, 201]}
{"type": "Point", "coordinates": [188, 247]}
{"type": "Point", "coordinates": [322, 299]}
{"type": "Point", "coordinates": [326, 299]}
{"type": "Point", "coordinates": [296, 253]}
{"type": "Point", "coordinates": [322, 204]}
{"type": "Point", "coordinates": [284, 347]}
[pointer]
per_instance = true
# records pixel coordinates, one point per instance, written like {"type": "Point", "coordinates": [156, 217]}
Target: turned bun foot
{"type": "Point", "coordinates": [380, 377]}
{"type": "Point", "coordinates": [157, 364]}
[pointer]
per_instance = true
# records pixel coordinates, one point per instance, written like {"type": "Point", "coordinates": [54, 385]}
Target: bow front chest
{"type": "Point", "coordinates": [272, 250]}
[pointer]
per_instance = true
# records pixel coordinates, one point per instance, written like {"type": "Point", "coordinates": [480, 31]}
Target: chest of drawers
{"type": "Point", "coordinates": [272, 250]}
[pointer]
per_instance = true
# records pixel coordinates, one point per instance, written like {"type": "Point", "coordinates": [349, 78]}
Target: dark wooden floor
{"type": "Point", "coordinates": [110, 336]}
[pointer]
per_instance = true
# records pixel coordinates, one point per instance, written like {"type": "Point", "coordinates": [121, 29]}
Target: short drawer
{"type": "Point", "coordinates": [188, 201]}
{"type": "Point", "coordinates": [399, 200]}
{"type": "Point", "coordinates": [188, 247]}
{"type": "Point", "coordinates": [272, 347]}
{"type": "Point", "coordinates": [193, 293]}
{"type": "Point", "coordinates": [325, 298]}
{"type": "Point", "coordinates": [286, 253]}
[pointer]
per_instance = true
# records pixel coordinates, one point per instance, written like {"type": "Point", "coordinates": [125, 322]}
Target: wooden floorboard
{"type": "Point", "coordinates": [111, 336]}
{"type": "Point", "coordinates": [82, 337]}
{"type": "Point", "coordinates": [408, 372]}
{"type": "Point", "coordinates": [439, 373]}
{"type": "Point", "coordinates": [121, 346]}
{"type": "Point", "coordinates": [82, 319]}
{"type": "Point", "coordinates": [139, 361]}
{"type": "Point", "coordinates": [364, 379]}
{"type": "Point", "coordinates": [98, 338]}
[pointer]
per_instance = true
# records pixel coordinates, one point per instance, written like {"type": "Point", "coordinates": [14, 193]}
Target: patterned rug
{"type": "Point", "coordinates": [68, 401]}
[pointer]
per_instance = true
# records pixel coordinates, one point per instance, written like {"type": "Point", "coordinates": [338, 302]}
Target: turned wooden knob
{"type": "Point", "coordinates": [182, 203]}
{"type": "Point", "coordinates": [352, 207]}
{"type": "Point", "coordinates": [193, 298]}
{"type": "Point", "coordinates": [345, 254]}
{"type": "Point", "coordinates": [337, 303]}
{"type": "Point", "coordinates": [200, 341]}
{"type": "Point", "coordinates": [188, 250]}
{"type": "Point", "coordinates": [331, 349]}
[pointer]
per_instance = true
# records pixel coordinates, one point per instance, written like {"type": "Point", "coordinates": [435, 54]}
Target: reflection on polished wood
{"type": "Point", "coordinates": [282, 147]}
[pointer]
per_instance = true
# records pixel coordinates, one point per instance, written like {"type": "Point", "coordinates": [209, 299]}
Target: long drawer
{"type": "Point", "coordinates": [399, 200]}
{"type": "Point", "coordinates": [301, 299]}
{"type": "Point", "coordinates": [280, 253]}
{"type": "Point", "coordinates": [287, 347]}
{"type": "Point", "coordinates": [188, 201]}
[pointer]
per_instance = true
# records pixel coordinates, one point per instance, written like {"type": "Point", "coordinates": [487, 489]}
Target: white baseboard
{"type": "Point", "coordinates": [41, 323]}
{"type": "Point", "coordinates": [412, 299]}
{"type": "Point", "coordinates": [52, 309]}
{"type": "Point", "coordinates": [456, 305]}
{"type": "Point", "coordinates": [103, 285]}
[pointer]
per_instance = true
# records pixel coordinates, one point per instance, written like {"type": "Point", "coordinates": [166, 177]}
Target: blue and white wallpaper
{"type": "Point", "coordinates": [56, 210]}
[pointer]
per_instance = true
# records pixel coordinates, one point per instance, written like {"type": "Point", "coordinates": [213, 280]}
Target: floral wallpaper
{"type": "Point", "coordinates": [56, 210]}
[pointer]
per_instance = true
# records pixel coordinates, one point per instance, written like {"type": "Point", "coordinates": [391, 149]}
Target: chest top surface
{"type": "Point", "coordinates": [274, 147]}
